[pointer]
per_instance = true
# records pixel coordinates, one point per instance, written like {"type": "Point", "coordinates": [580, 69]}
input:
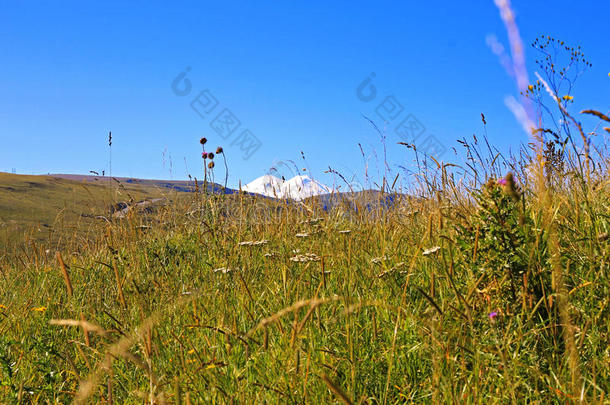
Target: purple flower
{"type": "Point", "coordinates": [502, 181]}
{"type": "Point", "coordinates": [493, 315]}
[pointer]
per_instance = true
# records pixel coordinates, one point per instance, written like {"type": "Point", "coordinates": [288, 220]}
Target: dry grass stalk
{"type": "Point", "coordinates": [86, 326]}
{"type": "Point", "coordinates": [109, 392]}
{"type": "Point", "coordinates": [65, 274]}
{"type": "Point", "coordinates": [85, 331]}
{"type": "Point", "coordinates": [335, 389]}
{"type": "Point", "coordinates": [119, 284]}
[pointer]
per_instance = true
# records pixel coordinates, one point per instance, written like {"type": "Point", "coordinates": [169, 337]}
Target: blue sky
{"type": "Point", "coordinates": [287, 70]}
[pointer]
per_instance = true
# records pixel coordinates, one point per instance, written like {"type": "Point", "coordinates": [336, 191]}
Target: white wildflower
{"type": "Point", "coordinates": [307, 257]}
{"type": "Point", "coordinates": [223, 270]}
{"type": "Point", "coordinates": [313, 221]}
{"type": "Point", "coordinates": [431, 250]}
{"type": "Point", "coordinates": [254, 242]}
{"type": "Point", "coordinates": [377, 260]}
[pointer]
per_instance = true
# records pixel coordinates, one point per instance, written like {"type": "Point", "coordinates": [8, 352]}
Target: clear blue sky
{"type": "Point", "coordinates": [288, 70]}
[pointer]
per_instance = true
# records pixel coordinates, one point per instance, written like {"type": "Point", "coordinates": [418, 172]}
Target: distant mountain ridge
{"type": "Point", "coordinates": [178, 185]}
{"type": "Point", "coordinates": [298, 188]}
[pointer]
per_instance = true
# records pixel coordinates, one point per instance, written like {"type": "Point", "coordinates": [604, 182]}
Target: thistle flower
{"type": "Point", "coordinates": [211, 165]}
{"type": "Point", "coordinates": [210, 155]}
{"type": "Point", "coordinates": [219, 150]}
{"type": "Point", "coordinates": [502, 181]}
{"type": "Point", "coordinates": [203, 141]}
{"type": "Point", "coordinates": [204, 155]}
{"type": "Point", "coordinates": [493, 316]}
{"type": "Point", "coordinates": [511, 187]}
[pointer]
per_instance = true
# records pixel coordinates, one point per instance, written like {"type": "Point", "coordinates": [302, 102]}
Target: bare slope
{"type": "Point", "coordinates": [39, 203]}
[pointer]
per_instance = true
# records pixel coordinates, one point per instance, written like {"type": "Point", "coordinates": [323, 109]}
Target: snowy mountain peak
{"type": "Point", "coordinates": [297, 188]}
{"type": "Point", "coordinates": [300, 187]}
{"type": "Point", "coordinates": [266, 185]}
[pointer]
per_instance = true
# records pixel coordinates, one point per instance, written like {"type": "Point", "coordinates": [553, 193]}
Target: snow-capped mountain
{"type": "Point", "coordinates": [266, 185]}
{"type": "Point", "coordinates": [300, 187]}
{"type": "Point", "coordinates": [297, 188]}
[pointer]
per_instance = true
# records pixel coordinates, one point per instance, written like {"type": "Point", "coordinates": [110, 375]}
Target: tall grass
{"type": "Point", "coordinates": [471, 291]}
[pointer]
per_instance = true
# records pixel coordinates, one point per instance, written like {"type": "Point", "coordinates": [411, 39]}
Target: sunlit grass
{"type": "Point", "coordinates": [224, 298]}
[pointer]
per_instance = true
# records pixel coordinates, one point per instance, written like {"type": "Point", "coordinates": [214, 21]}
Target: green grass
{"type": "Point", "coordinates": [372, 319]}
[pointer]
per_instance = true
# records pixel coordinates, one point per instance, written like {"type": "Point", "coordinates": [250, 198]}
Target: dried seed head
{"type": "Point", "coordinates": [219, 150]}
{"type": "Point", "coordinates": [203, 141]}
{"type": "Point", "coordinates": [210, 155]}
{"type": "Point", "coordinates": [211, 165]}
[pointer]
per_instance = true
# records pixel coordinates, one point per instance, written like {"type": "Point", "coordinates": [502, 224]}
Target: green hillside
{"type": "Point", "coordinates": [36, 206]}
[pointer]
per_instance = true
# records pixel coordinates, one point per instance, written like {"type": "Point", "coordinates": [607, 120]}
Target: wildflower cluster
{"type": "Point", "coordinates": [209, 155]}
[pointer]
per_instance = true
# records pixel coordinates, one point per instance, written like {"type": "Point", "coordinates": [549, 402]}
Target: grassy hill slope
{"type": "Point", "coordinates": [37, 205]}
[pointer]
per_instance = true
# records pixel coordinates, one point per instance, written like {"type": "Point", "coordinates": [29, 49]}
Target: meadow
{"type": "Point", "coordinates": [483, 280]}
{"type": "Point", "coordinates": [487, 291]}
